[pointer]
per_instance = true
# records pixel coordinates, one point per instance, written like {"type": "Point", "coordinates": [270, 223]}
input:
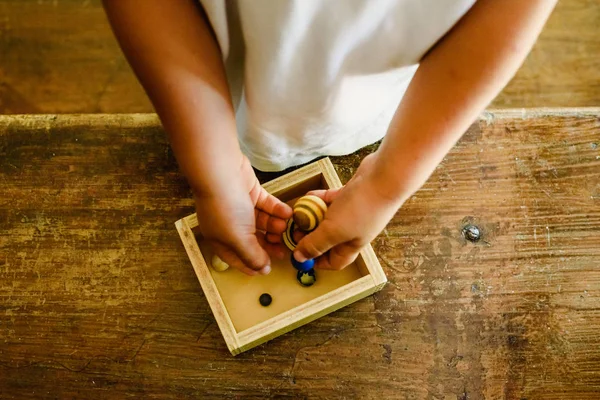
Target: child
{"type": "Point", "coordinates": [311, 78]}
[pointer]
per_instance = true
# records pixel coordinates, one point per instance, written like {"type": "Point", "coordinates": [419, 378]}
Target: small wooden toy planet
{"type": "Point", "coordinates": [265, 299]}
{"type": "Point", "coordinates": [306, 271]}
{"type": "Point", "coordinates": [309, 212]}
{"type": "Point", "coordinates": [218, 264]}
{"type": "Point", "coordinates": [306, 278]}
{"type": "Point", "coordinates": [302, 266]}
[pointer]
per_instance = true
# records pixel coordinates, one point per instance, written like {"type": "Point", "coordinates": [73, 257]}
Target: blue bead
{"type": "Point", "coordinates": [303, 266]}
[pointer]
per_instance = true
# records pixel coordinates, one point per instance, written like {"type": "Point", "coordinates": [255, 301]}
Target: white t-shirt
{"type": "Point", "coordinates": [321, 77]}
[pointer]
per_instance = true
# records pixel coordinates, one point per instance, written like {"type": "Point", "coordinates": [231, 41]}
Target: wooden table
{"type": "Point", "coordinates": [98, 298]}
{"type": "Point", "coordinates": [61, 57]}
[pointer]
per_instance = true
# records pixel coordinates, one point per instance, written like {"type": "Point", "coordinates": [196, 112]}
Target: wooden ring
{"type": "Point", "coordinates": [288, 235]}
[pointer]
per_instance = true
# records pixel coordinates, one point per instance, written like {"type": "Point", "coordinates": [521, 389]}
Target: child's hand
{"type": "Point", "coordinates": [242, 221]}
{"type": "Point", "coordinates": [357, 214]}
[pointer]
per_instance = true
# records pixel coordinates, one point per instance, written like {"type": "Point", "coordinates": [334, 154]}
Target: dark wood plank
{"type": "Point", "coordinates": [60, 57]}
{"type": "Point", "coordinates": [98, 299]}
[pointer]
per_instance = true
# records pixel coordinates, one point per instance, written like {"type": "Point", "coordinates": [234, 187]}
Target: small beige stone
{"type": "Point", "coordinates": [218, 264]}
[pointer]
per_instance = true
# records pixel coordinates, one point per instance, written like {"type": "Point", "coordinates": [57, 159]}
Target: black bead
{"type": "Point", "coordinates": [472, 233]}
{"type": "Point", "coordinates": [265, 299]}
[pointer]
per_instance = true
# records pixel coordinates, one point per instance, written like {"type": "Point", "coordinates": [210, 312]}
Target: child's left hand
{"type": "Point", "coordinates": [357, 213]}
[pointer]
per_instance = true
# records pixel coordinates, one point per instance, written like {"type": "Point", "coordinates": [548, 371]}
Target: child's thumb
{"type": "Point", "coordinates": [315, 243]}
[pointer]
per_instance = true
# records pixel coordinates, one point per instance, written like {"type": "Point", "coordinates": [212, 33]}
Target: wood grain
{"type": "Point", "coordinates": [61, 57]}
{"type": "Point", "coordinates": [563, 69]}
{"type": "Point", "coordinates": [98, 300]}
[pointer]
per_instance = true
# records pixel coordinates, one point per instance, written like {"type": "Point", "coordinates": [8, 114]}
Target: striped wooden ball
{"type": "Point", "coordinates": [309, 212]}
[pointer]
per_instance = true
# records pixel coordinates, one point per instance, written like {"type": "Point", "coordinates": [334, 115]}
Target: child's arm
{"type": "Point", "coordinates": [453, 84]}
{"type": "Point", "coordinates": [176, 58]}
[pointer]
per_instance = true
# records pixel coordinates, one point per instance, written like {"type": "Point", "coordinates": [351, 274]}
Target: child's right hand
{"type": "Point", "coordinates": [242, 222]}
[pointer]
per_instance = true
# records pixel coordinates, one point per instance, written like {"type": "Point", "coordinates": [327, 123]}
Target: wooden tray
{"type": "Point", "coordinates": [233, 296]}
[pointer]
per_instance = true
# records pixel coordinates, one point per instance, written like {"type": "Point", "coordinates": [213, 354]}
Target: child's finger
{"type": "Point", "coordinates": [268, 223]}
{"type": "Point", "coordinates": [317, 243]}
{"type": "Point", "coordinates": [272, 205]}
{"type": "Point", "coordinates": [273, 238]}
{"type": "Point", "coordinates": [328, 195]}
{"type": "Point", "coordinates": [252, 254]}
{"type": "Point", "coordinates": [274, 249]}
{"type": "Point", "coordinates": [339, 257]}
{"type": "Point", "coordinates": [231, 258]}
{"type": "Point", "coordinates": [298, 235]}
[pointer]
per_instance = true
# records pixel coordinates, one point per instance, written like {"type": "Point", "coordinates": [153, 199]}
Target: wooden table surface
{"type": "Point", "coordinates": [61, 57]}
{"type": "Point", "coordinates": [98, 298]}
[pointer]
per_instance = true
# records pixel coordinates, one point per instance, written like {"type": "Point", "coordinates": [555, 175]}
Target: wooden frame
{"type": "Point", "coordinates": [320, 174]}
